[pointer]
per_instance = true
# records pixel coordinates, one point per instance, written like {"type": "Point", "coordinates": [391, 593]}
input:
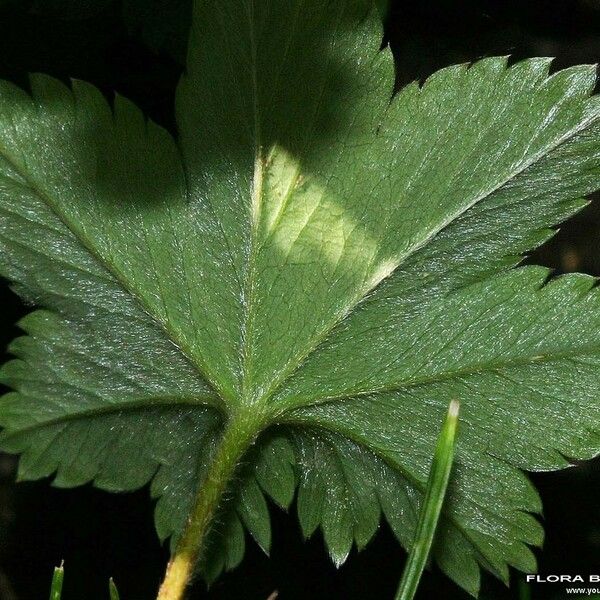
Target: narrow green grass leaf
{"type": "Point", "coordinates": [57, 583]}
{"type": "Point", "coordinates": [114, 592]}
{"type": "Point", "coordinates": [432, 505]}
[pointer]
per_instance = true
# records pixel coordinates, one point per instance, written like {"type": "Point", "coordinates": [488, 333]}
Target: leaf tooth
{"type": "Point", "coordinates": [489, 67]}
{"type": "Point", "coordinates": [46, 89]}
{"type": "Point", "coordinates": [533, 70]}
{"type": "Point", "coordinates": [339, 543]}
{"type": "Point", "coordinates": [575, 82]}
{"type": "Point", "coordinates": [440, 80]}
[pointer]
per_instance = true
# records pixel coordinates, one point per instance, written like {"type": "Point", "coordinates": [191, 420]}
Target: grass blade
{"type": "Point", "coordinates": [432, 505]}
{"type": "Point", "coordinates": [57, 583]}
{"type": "Point", "coordinates": [114, 592]}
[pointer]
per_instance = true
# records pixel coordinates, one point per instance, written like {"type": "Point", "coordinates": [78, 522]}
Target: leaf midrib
{"type": "Point", "coordinates": [206, 402]}
{"type": "Point", "coordinates": [536, 359]}
{"type": "Point", "coordinates": [260, 163]}
{"type": "Point", "coordinates": [256, 198]}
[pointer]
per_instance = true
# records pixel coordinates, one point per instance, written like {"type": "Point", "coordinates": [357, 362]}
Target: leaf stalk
{"type": "Point", "coordinates": [239, 434]}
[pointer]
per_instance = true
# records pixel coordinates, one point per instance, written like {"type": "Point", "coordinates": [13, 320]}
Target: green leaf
{"type": "Point", "coordinates": [313, 259]}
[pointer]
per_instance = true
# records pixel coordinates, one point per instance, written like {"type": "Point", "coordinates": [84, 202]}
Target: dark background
{"type": "Point", "coordinates": [137, 49]}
